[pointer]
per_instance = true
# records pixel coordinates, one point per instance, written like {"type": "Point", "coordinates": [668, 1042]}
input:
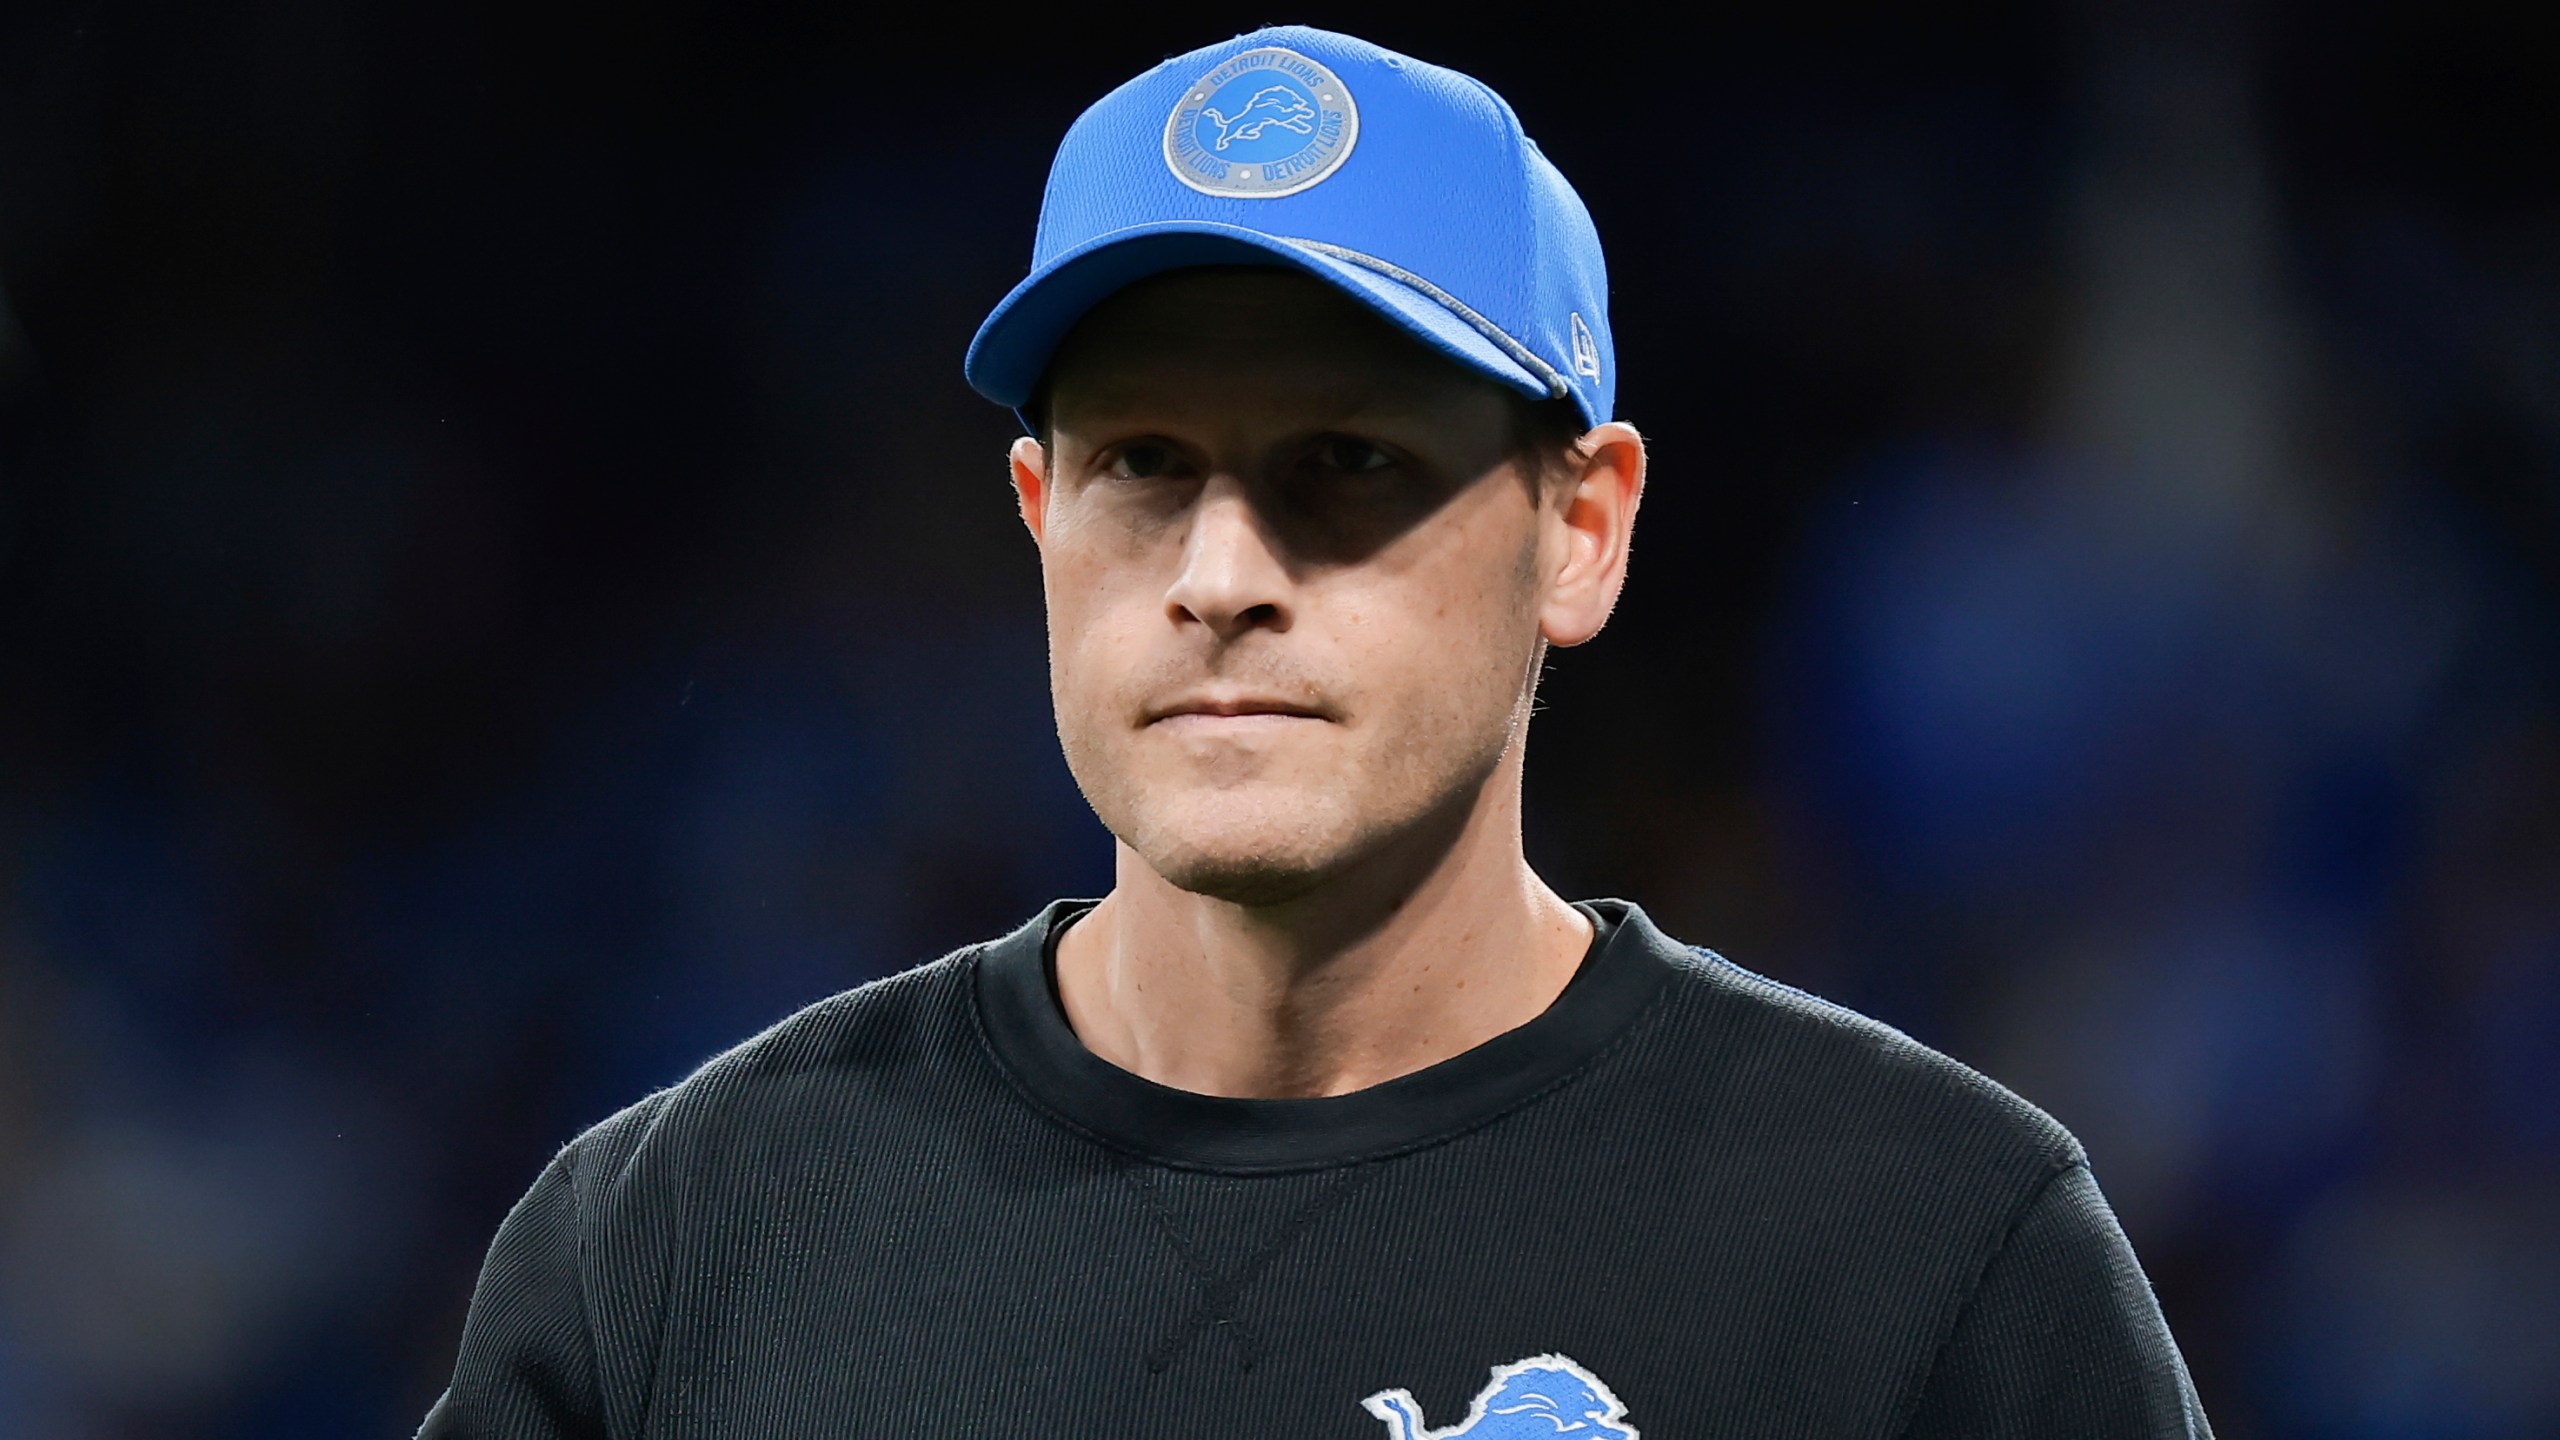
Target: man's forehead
{"type": "Point", "coordinates": [1215, 336]}
{"type": "Point", "coordinates": [1101, 395]}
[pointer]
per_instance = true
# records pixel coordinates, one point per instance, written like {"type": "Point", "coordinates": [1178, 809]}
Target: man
{"type": "Point", "coordinates": [1331, 1115]}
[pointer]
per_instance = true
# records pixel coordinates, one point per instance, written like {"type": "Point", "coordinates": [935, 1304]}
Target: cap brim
{"type": "Point", "coordinates": [1013, 348]}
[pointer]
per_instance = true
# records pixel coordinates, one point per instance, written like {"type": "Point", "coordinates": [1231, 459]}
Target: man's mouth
{"type": "Point", "coordinates": [1229, 707]}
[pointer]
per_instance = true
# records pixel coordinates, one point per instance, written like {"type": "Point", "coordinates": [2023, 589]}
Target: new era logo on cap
{"type": "Point", "coordinates": [1410, 187]}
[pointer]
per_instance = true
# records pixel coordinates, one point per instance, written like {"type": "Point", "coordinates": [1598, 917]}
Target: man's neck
{"type": "Point", "coordinates": [1337, 991]}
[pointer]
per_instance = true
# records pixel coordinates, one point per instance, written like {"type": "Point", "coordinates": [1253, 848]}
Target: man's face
{"type": "Point", "coordinates": [1294, 579]}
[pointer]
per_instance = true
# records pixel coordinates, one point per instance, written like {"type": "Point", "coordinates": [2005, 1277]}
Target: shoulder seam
{"type": "Point", "coordinates": [570, 1160]}
{"type": "Point", "coordinates": [764, 1045]}
{"type": "Point", "coordinates": [2064, 1146]}
{"type": "Point", "coordinates": [2058, 1164]}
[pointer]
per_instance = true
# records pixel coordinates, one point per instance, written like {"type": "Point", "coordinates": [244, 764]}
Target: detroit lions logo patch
{"type": "Point", "coordinates": [1266, 123]}
{"type": "Point", "coordinates": [1542, 1396]}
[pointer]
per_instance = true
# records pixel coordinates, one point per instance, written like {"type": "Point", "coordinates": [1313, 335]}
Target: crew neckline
{"type": "Point", "coordinates": [1032, 1042]}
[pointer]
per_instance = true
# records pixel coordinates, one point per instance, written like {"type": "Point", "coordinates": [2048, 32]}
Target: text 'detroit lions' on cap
{"type": "Point", "coordinates": [1409, 186]}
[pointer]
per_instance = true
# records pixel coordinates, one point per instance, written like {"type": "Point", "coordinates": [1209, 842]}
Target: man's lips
{"type": "Point", "coordinates": [1234, 707]}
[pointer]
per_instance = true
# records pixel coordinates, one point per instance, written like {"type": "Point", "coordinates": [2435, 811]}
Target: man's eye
{"type": "Point", "coordinates": [1351, 455]}
{"type": "Point", "coordinates": [1143, 460]}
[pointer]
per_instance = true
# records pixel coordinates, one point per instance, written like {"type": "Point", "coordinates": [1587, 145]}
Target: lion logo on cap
{"type": "Point", "coordinates": [1272, 105]}
{"type": "Point", "coordinates": [1263, 123]}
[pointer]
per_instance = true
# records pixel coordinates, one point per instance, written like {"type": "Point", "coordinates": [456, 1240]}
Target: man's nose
{"type": "Point", "coordinates": [1231, 579]}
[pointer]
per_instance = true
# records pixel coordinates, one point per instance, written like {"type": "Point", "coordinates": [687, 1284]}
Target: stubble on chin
{"type": "Point", "coordinates": [1248, 838]}
{"type": "Point", "coordinates": [1254, 882]}
{"type": "Point", "coordinates": [1255, 851]}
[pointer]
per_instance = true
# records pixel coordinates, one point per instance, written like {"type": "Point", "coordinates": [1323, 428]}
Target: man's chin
{"type": "Point", "coordinates": [1243, 854]}
{"type": "Point", "coordinates": [1250, 880]}
{"type": "Point", "coordinates": [1267, 845]}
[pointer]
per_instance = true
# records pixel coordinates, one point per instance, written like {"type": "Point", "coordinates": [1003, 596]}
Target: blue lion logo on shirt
{"type": "Point", "coordinates": [1542, 1396]}
{"type": "Point", "coordinates": [1271, 105]}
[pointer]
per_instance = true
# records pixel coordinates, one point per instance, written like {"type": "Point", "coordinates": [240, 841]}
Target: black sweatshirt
{"type": "Point", "coordinates": [1684, 1202]}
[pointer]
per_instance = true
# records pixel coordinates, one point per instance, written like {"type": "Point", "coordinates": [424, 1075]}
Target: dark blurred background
{"type": "Point", "coordinates": [503, 591]}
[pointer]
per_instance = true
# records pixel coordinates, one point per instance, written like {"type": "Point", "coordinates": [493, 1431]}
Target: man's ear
{"type": "Point", "coordinates": [1031, 483]}
{"type": "Point", "coordinates": [1588, 527]}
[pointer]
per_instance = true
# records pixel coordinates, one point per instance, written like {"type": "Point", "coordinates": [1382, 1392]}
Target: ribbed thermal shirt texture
{"type": "Point", "coordinates": [1684, 1201]}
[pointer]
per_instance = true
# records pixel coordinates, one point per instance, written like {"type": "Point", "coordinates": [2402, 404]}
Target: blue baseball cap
{"type": "Point", "coordinates": [1409, 187]}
